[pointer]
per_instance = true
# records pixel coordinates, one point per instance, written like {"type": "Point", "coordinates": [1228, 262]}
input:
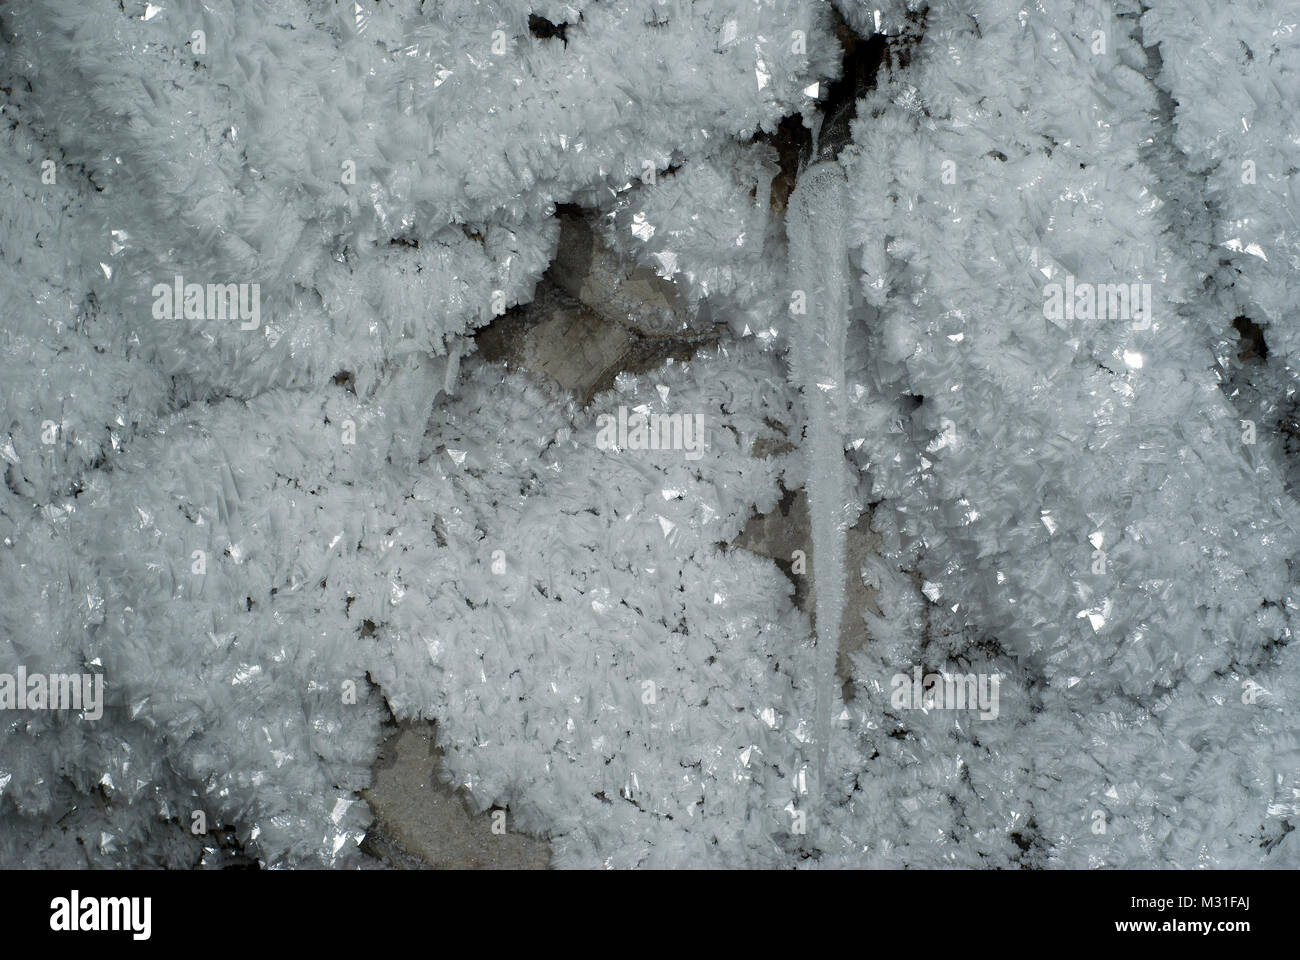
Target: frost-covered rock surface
{"type": "Point", "coordinates": [1000, 324]}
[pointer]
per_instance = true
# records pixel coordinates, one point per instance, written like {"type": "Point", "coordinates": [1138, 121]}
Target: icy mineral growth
{"type": "Point", "coordinates": [1085, 511]}
{"type": "Point", "coordinates": [272, 540]}
{"type": "Point", "coordinates": [241, 526]}
{"type": "Point", "coordinates": [819, 278]}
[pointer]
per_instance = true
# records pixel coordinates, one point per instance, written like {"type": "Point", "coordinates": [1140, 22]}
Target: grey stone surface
{"type": "Point", "coordinates": [420, 822]}
{"type": "Point", "coordinates": [559, 338]}
{"type": "Point", "coordinates": [562, 339]}
{"type": "Point", "coordinates": [780, 532]}
{"type": "Point", "coordinates": [633, 296]}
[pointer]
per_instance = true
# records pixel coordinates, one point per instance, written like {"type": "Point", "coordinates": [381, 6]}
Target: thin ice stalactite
{"type": "Point", "coordinates": [819, 270]}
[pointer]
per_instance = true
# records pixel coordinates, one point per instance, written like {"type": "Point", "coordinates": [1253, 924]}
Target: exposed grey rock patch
{"type": "Point", "coordinates": [618, 292]}
{"type": "Point", "coordinates": [421, 823]}
{"type": "Point", "coordinates": [560, 338]}
{"type": "Point", "coordinates": [780, 532]}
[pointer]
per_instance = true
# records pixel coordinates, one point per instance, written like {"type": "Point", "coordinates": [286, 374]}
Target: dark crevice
{"type": "Point", "coordinates": [1253, 346]}
{"type": "Point", "coordinates": [224, 848]}
{"type": "Point", "coordinates": [862, 62]}
{"type": "Point", "coordinates": [543, 29]}
{"type": "Point", "coordinates": [862, 59]}
{"type": "Point", "coordinates": [793, 143]}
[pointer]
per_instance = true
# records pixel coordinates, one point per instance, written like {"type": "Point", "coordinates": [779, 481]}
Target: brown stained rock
{"type": "Point", "coordinates": [421, 823]}
{"type": "Point", "coordinates": [793, 142]}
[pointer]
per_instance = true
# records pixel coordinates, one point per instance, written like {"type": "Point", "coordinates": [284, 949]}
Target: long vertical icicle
{"type": "Point", "coordinates": [819, 267]}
